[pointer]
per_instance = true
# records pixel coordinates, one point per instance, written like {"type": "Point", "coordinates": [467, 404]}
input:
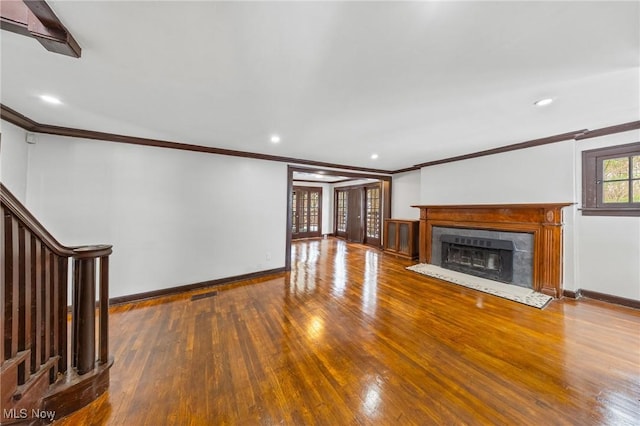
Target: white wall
{"type": "Point", "coordinates": [542, 174]}
{"type": "Point", "coordinates": [535, 175]}
{"type": "Point", "coordinates": [174, 217]}
{"type": "Point", "coordinates": [607, 247]}
{"type": "Point", "coordinates": [600, 253]}
{"type": "Point", "coordinates": [405, 192]}
{"type": "Point", "coordinates": [177, 217]}
{"type": "Point", "coordinates": [14, 153]}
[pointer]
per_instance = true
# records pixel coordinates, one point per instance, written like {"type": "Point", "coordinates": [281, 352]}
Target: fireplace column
{"type": "Point", "coordinates": [551, 241]}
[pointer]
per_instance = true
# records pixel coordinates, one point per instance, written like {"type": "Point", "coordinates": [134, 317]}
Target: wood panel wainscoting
{"type": "Point", "coordinates": [544, 221]}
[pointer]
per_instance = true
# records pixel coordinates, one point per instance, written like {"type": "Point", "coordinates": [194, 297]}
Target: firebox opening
{"type": "Point", "coordinates": [484, 257]}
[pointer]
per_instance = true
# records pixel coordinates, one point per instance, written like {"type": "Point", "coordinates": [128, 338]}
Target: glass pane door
{"type": "Point", "coordinates": [306, 212]}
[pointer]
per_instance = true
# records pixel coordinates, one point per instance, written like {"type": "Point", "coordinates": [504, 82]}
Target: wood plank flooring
{"type": "Point", "coordinates": [349, 337]}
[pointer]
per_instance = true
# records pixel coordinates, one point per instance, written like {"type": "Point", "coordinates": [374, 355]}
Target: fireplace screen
{"type": "Point", "coordinates": [483, 257]}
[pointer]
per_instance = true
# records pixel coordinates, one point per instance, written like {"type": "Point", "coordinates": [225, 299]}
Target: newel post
{"type": "Point", "coordinates": [84, 305]}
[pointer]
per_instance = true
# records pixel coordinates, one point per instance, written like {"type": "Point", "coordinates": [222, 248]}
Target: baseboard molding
{"type": "Point", "coordinates": [609, 298]}
{"type": "Point", "coordinates": [571, 294]}
{"type": "Point", "coordinates": [184, 288]}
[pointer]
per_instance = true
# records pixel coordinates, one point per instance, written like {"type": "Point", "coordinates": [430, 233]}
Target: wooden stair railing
{"type": "Point", "coordinates": [48, 366]}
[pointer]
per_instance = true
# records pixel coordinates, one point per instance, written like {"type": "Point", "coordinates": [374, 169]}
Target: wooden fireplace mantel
{"type": "Point", "coordinates": [544, 221]}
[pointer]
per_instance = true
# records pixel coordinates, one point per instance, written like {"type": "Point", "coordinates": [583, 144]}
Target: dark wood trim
{"type": "Point", "coordinates": [571, 294]}
{"type": "Point", "coordinates": [543, 220]}
{"type": "Point", "coordinates": [37, 229]}
{"type": "Point", "coordinates": [386, 187]}
{"type": "Point", "coordinates": [494, 206]}
{"type": "Point", "coordinates": [34, 317]}
{"type": "Point", "coordinates": [28, 124]}
{"type": "Point", "coordinates": [138, 297]}
{"type": "Point", "coordinates": [591, 180]}
{"type": "Point", "coordinates": [333, 182]}
{"type": "Point", "coordinates": [68, 396]}
{"type": "Point", "coordinates": [35, 19]}
{"type": "Point", "coordinates": [289, 219]}
{"type": "Point", "coordinates": [577, 135]}
{"type": "Point", "coordinates": [609, 212]}
{"type": "Point", "coordinates": [353, 175]}
{"type": "Point", "coordinates": [386, 204]}
{"type": "Point", "coordinates": [407, 169]}
{"type": "Point", "coordinates": [514, 147]}
{"type": "Point", "coordinates": [604, 131]}
{"type": "Point", "coordinates": [363, 185]}
{"type": "Point", "coordinates": [18, 119]}
{"type": "Point", "coordinates": [609, 298]}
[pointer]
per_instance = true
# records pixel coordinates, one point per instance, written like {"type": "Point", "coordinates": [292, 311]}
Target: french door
{"type": "Point", "coordinates": [306, 212]}
{"type": "Point", "coordinates": [372, 215]}
{"type": "Point", "coordinates": [358, 213]}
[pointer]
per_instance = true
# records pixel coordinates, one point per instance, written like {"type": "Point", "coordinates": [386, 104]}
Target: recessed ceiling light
{"type": "Point", "coordinates": [51, 99]}
{"type": "Point", "coordinates": [544, 102]}
{"type": "Point", "coordinates": [374, 156]}
{"type": "Point", "coordinates": [275, 139]}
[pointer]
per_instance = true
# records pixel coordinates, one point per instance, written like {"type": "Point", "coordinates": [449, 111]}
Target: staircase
{"type": "Point", "coordinates": [48, 362]}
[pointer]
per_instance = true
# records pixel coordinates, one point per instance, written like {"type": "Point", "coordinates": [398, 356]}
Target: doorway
{"type": "Point", "coordinates": [306, 212]}
{"type": "Point", "coordinates": [336, 214]}
{"type": "Point", "coordinates": [358, 213]}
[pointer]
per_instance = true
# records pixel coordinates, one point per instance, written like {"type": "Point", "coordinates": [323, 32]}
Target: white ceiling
{"type": "Point", "coordinates": [410, 81]}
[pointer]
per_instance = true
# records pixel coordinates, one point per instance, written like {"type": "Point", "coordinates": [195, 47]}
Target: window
{"type": "Point", "coordinates": [611, 181]}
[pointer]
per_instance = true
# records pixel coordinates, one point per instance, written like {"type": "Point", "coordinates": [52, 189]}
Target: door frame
{"type": "Point", "coordinates": [376, 242]}
{"type": "Point", "coordinates": [318, 189]}
{"type": "Point", "coordinates": [386, 197]}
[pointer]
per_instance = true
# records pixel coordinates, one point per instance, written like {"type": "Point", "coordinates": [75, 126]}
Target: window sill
{"type": "Point", "coordinates": [603, 211]}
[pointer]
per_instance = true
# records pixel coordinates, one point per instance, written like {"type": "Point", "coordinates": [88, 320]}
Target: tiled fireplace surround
{"type": "Point", "coordinates": [522, 249]}
{"type": "Point", "coordinates": [541, 224]}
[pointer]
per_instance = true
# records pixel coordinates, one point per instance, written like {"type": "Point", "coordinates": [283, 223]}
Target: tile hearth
{"type": "Point", "coordinates": [516, 293]}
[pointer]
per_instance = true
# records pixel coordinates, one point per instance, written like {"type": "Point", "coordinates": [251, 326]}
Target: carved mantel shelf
{"type": "Point", "coordinates": [544, 221]}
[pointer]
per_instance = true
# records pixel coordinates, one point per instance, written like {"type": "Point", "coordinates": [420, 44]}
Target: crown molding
{"type": "Point", "coordinates": [513, 147]}
{"type": "Point", "coordinates": [30, 125]}
{"type": "Point", "coordinates": [604, 131]}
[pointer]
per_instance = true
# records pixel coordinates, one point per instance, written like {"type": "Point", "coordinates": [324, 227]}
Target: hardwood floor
{"type": "Point", "coordinates": [350, 337]}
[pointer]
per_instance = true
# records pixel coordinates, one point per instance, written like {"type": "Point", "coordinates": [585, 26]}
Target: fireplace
{"type": "Point", "coordinates": [541, 223]}
{"type": "Point", "coordinates": [482, 257]}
